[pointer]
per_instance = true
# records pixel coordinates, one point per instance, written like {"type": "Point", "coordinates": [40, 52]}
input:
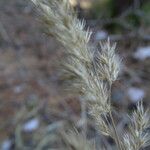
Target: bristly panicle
{"type": "Point", "coordinates": [76, 141]}
{"type": "Point", "coordinates": [138, 135]}
{"type": "Point", "coordinates": [93, 72]}
{"type": "Point", "coordinates": [108, 62]}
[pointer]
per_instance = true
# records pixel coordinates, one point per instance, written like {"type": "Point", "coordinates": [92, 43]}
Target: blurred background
{"type": "Point", "coordinates": [32, 105]}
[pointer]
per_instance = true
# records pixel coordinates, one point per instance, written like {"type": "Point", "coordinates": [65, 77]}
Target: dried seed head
{"type": "Point", "coordinates": [77, 141]}
{"type": "Point", "coordinates": [108, 62]}
{"type": "Point", "coordinates": [138, 136]}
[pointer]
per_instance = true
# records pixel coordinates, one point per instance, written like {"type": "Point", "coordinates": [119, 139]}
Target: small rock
{"type": "Point", "coordinates": [6, 145]}
{"type": "Point", "coordinates": [142, 53]}
{"type": "Point", "coordinates": [31, 125]}
{"type": "Point", "coordinates": [101, 35]}
{"type": "Point", "coordinates": [117, 95]}
{"type": "Point", "coordinates": [135, 94]}
{"type": "Point", "coordinates": [18, 89]}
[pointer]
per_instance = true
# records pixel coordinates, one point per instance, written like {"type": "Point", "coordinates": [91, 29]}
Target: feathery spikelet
{"type": "Point", "coordinates": [75, 141]}
{"type": "Point", "coordinates": [61, 22]}
{"type": "Point", "coordinates": [138, 136]}
{"type": "Point", "coordinates": [107, 62]}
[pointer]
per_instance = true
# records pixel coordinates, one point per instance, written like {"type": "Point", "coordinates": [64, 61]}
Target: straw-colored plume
{"type": "Point", "coordinates": [94, 72]}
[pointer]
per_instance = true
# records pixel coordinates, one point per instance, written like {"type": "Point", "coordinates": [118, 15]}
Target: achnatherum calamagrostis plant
{"type": "Point", "coordinates": [94, 71]}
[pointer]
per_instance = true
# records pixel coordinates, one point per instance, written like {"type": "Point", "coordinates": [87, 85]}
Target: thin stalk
{"type": "Point", "coordinates": [113, 123]}
{"type": "Point", "coordinates": [83, 117]}
{"type": "Point", "coordinates": [115, 131]}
